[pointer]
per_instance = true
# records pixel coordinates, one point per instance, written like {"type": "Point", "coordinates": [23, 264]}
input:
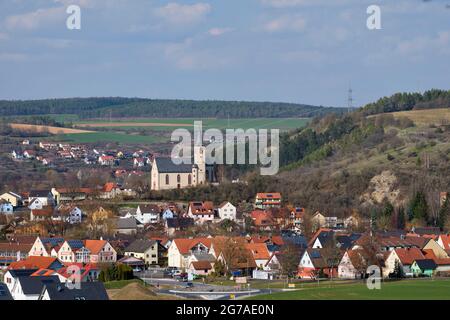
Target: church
{"type": "Point", "coordinates": [166, 175]}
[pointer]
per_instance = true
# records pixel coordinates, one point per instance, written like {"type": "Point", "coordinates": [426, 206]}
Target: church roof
{"type": "Point", "coordinates": [165, 165]}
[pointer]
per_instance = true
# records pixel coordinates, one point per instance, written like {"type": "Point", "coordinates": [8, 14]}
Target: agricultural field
{"type": "Point", "coordinates": [425, 117]}
{"type": "Point", "coordinates": [93, 137]}
{"type": "Point", "coordinates": [49, 129]}
{"type": "Point", "coordinates": [420, 289]}
{"type": "Point", "coordinates": [172, 123]}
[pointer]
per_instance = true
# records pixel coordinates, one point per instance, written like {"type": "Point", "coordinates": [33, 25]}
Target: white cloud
{"type": "Point", "coordinates": [293, 23]}
{"type": "Point", "coordinates": [183, 14]}
{"type": "Point", "coordinates": [35, 19]}
{"type": "Point", "coordinates": [219, 31]}
{"type": "Point", "coordinates": [297, 3]}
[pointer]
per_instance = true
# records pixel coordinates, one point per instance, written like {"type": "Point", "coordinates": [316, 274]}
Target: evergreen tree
{"type": "Point", "coordinates": [443, 214]}
{"type": "Point", "coordinates": [419, 207]}
{"type": "Point", "coordinates": [401, 223]}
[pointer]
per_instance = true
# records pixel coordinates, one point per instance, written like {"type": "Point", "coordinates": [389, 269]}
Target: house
{"type": "Point", "coordinates": [313, 261]}
{"type": "Point", "coordinates": [27, 287]}
{"type": "Point", "coordinates": [168, 214]}
{"type": "Point", "coordinates": [150, 251]}
{"type": "Point", "coordinates": [268, 200]}
{"type": "Point", "coordinates": [424, 267]}
{"type": "Point", "coordinates": [200, 268]}
{"type": "Point", "coordinates": [404, 257]}
{"type": "Point", "coordinates": [227, 211]}
{"type": "Point", "coordinates": [135, 263]}
{"type": "Point", "coordinates": [101, 251]}
{"type": "Point", "coordinates": [46, 247]}
{"type": "Point", "coordinates": [321, 221]}
{"type": "Point", "coordinates": [443, 264]}
{"type": "Point", "coordinates": [36, 204]}
{"type": "Point", "coordinates": [61, 195]}
{"type": "Point", "coordinates": [444, 242]}
{"type": "Point", "coordinates": [353, 265]}
{"type": "Point", "coordinates": [29, 154]}
{"type": "Point", "coordinates": [262, 219]}
{"type": "Point", "coordinates": [34, 262]}
{"type": "Point", "coordinates": [201, 212]}
{"type": "Point", "coordinates": [71, 214]}
{"type": "Point", "coordinates": [43, 214]}
{"type": "Point", "coordinates": [13, 198]}
{"type": "Point", "coordinates": [5, 295]}
{"type": "Point", "coordinates": [88, 272]}
{"type": "Point", "coordinates": [321, 237]}
{"type": "Point", "coordinates": [148, 214]}
{"type": "Point", "coordinates": [106, 160]}
{"type": "Point", "coordinates": [6, 207]}
{"type": "Point", "coordinates": [260, 253]}
{"type": "Point", "coordinates": [74, 251]}
{"type": "Point", "coordinates": [234, 255]}
{"type": "Point", "coordinates": [87, 291]}
{"type": "Point", "coordinates": [44, 196]}
{"type": "Point", "coordinates": [274, 264]}
{"type": "Point", "coordinates": [138, 162]}
{"type": "Point", "coordinates": [178, 224]}
{"type": "Point", "coordinates": [181, 249]}
{"type": "Point", "coordinates": [110, 191]}
{"type": "Point", "coordinates": [126, 226]}
{"type": "Point", "coordinates": [13, 251]}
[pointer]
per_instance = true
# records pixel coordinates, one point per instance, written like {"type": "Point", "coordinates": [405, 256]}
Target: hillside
{"type": "Point", "coordinates": [88, 108]}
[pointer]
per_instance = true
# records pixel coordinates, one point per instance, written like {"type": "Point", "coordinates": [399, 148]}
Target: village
{"type": "Point", "coordinates": [57, 237]}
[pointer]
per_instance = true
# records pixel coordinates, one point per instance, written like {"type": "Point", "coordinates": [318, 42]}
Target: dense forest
{"type": "Point", "coordinates": [87, 108]}
{"type": "Point", "coordinates": [431, 99]}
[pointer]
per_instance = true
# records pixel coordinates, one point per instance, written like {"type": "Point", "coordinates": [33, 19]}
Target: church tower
{"type": "Point", "coordinates": [200, 161]}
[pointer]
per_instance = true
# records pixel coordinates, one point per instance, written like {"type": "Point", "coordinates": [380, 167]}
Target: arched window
{"type": "Point", "coordinates": [178, 178]}
{"type": "Point", "coordinates": [167, 179]}
{"type": "Point", "coordinates": [189, 179]}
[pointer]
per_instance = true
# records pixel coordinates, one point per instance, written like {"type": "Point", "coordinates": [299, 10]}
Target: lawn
{"type": "Point", "coordinates": [120, 283]}
{"type": "Point", "coordinates": [399, 290]}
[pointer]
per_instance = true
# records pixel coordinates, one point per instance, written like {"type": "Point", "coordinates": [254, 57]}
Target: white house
{"type": "Point", "coordinates": [36, 204]}
{"type": "Point", "coordinates": [180, 251]}
{"type": "Point", "coordinates": [227, 211]}
{"type": "Point", "coordinates": [148, 214]}
{"type": "Point", "coordinates": [352, 264]}
{"type": "Point", "coordinates": [25, 287]}
{"type": "Point", "coordinates": [201, 212]}
{"type": "Point", "coordinates": [6, 207]}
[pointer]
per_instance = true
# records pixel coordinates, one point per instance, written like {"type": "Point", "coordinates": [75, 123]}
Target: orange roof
{"type": "Point", "coordinates": [259, 250]}
{"type": "Point", "coordinates": [94, 246]}
{"type": "Point", "coordinates": [201, 265]}
{"type": "Point", "coordinates": [408, 255]}
{"type": "Point", "coordinates": [275, 195]}
{"type": "Point", "coordinates": [202, 207]}
{"type": "Point", "coordinates": [429, 254]}
{"type": "Point", "coordinates": [43, 273]}
{"type": "Point", "coordinates": [445, 241]}
{"type": "Point", "coordinates": [318, 232]}
{"type": "Point", "coordinates": [33, 262]}
{"type": "Point", "coordinates": [184, 245]}
{"type": "Point", "coordinates": [109, 186]}
{"type": "Point", "coordinates": [45, 212]}
{"type": "Point", "coordinates": [261, 217]}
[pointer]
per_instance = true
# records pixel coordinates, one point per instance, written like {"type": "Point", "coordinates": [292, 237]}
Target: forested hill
{"type": "Point", "coordinates": [117, 107]}
{"type": "Point", "coordinates": [431, 99]}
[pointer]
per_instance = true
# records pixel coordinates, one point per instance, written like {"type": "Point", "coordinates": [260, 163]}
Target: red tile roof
{"type": "Point", "coordinates": [201, 265]}
{"type": "Point", "coordinates": [275, 195]}
{"type": "Point", "coordinates": [94, 246]}
{"type": "Point", "coordinates": [445, 241]}
{"type": "Point", "coordinates": [184, 245]}
{"type": "Point", "coordinates": [259, 251]}
{"type": "Point", "coordinates": [33, 262]}
{"type": "Point", "coordinates": [408, 255]}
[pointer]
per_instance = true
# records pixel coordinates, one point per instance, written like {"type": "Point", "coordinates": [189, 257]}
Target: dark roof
{"type": "Point", "coordinates": [165, 165]}
{"type": "Point", "coordinates": [426, 264]}
{"type": "Point", "coordinates": [53, 241]}
{"type": "Point", "coordinates": [346, 241]}
{"type": "Point", "coordinates": [140, 246]}
{"type": "Point", "coordinates": [4, 292]}
{"type": "Point", "coordinates": [75, 244]}
{"type": "Point", "coordinates": [22, 272]}
{"type": "Point", "coordinates": [427, 230]}
{"type": "Point", "coordinates": [126, 223]}
{"type": "Point", "coordinates": [39, 193]}
{"type": "Point", "coordinates": [297, 240]}
{"type": "Point", "coordinates": [181, 223]}
{"type": "Point", "coordinates": [88, 291]}
{"type": "Point", "coordinates": [34, 285]}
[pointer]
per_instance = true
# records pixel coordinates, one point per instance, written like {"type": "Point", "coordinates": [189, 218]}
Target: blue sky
{"type": "Point", "coordinates": [306, 51]}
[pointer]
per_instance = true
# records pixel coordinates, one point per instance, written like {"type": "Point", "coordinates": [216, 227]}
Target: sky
{"type": "Point", "coordinates": [304, 51]}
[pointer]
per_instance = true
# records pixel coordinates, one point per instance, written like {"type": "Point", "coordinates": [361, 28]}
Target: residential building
{"type": "Point", "coordinates": [150, 251]}
{"type": "Point", "coordinates": [13, 198]}
{"type": "Point", "coordinates": [227, 211]}
{"type": "Point", "coordinates": [268, 200]}
{"type": "Point", "coordinates": [180, 250]}
{"type": "Point", "coordinates": [201, 212]}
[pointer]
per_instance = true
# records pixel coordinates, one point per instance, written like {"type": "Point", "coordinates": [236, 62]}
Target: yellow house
{"type": "Point", "coordinates": [14, 199]}
{"type": "Point", "coordinates": [436, 248]}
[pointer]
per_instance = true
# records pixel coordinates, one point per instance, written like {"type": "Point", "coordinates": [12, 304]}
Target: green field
{"type": "Point", "coordinates": [108, 137]}
{"type": "Point", "coordinates": [399, 290]}
{"type": "Point", "coordinates": [256, 123]}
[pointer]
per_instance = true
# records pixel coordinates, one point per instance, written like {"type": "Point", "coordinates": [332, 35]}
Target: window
{"type": "Point", "coordinates": [178, 178]}
{"type": "Point", "coordinates": [189, 179]}
{"type": "Point", "coordinates": [167, 179]}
